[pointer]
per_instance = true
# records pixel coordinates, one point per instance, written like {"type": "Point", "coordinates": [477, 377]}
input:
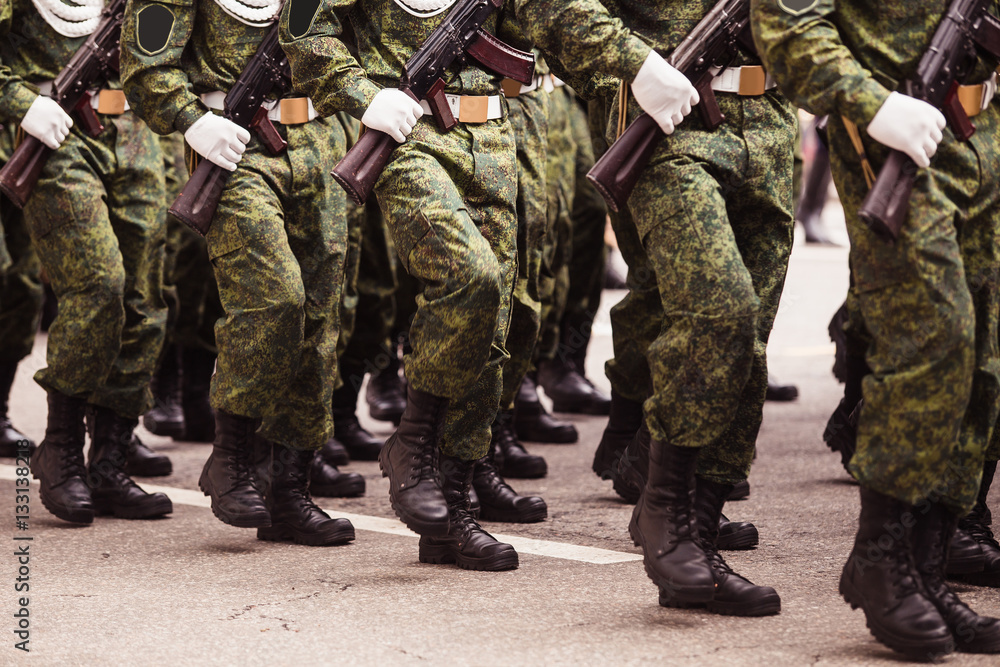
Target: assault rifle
{"type": "Point", "coordinates": [459, 35]}
{"type": "Point", "coordinates": [714, 42]}
{"type": "Point", "coordinates": [267, 71]}
{"type": "Point", "coordinates": [949, 58]}
{"type": "Point", "coordinates": [92, 63]}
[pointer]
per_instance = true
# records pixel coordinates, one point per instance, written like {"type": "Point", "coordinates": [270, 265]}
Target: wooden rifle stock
{"type": "Point", "coordinates": [884, 208]}
{"type": "Point", "coordinates": [19, 176]}
{"type": "Point", "coordinates": [363, 164]}
{"type": "Point", "coordinates": [195, 205]}
{"type": "Point", "coordinates": [616, 172]}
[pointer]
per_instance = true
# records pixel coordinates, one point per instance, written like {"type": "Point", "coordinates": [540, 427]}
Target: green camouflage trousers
{"type": "Point", "coordinates": [449, 202]}
{"type": "Point", "coordinates": [528, 114]}
{"type": "Point", "coordinates": [21, 290]}
{"type": "Point", "coordinates": [930, 304]}
{"type": "Point", "coordinates": [96, 220]}
{"type": "Point", "coordinates": [277, 244]}
{"type": "Point", "coordinates": [712, 212]}
{"type": "Point", "coordinates": [366, 305]}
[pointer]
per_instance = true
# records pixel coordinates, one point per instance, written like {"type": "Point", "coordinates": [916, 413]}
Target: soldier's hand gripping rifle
{"type": "Point", "coordinates": [90, 65]}
{"type": "Point", "coordinates": [950, 56]}
{"type": "Point", "coordinates": [460, 34]}
{"type": "Point", "coordinates": [267, 71]}
{"type": "Point", "coordinates": [714, 42]}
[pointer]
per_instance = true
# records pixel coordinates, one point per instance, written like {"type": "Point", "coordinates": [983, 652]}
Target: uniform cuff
{"type": "Point", "coordinates": [865, 103]}
{"type": "Point", "coordinates": [634, 53]}
{"type": "Point", "coordinates": [17, 99]}
{"type": "Point", "coordinates": [187, 116]}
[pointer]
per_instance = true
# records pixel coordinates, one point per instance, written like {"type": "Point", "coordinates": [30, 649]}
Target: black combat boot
{"type": "Point", "coordinates": [931, 535]}
{"type": "Point", "coordinates": [327, 482]}
{"type": "Point", "coordinates": [499, 502]}
{"type": "Point", "coordinates": [780, 392]}
{"type": "Point", "coordinates": [360, 444]}
{"type": "Point", "coordinates": [228, 473]}
{"type": "Point", "coordinates": [664, 525]}
{"type": "Point", "coordinates": [510, 456]}
{"type": "Point", "coordinates": [466, 544]}
{"type": "Point", "coordinates": [409, 460]}
{"type": "Point", "coordinates": [632, 469]}
{"type": "Point", "coordinates": [734, 595]}
{"type": "Point", "coordinates": [112, 491]}
{"type": "Point", "coordinates": [881, 577]}
{"type": "Point", "coordinates": [386, 393]}
{"type": "Point", "coordinates": [294, 516]}
{"type": "Point", "coordinates": [736, 535]}
{"type": "Point", "coordinates": [197, 367]}
{"type": "Point", "coordinates": [533, 423]}
{"type": "Point", "coordinates": [11, 440]}
{"type": "Point", "coordinates": [976, 524]}
{"type": "Point", "coordinates": [334, 453]}
{"type": "Point", "coordinates": [167, 416]}
{"type": "Point", "coordinates": [741, 490]}
{"type": "Point", "coordinates": [964, 554]}
{"type": "Point", "coordinates": [624, 422]}
{"type": "Point", "coordinates": [144, 462]}
{"type": "Point", "coordinates": [58, 462]}
{"type": "Point", "coordinates": [569, 390]}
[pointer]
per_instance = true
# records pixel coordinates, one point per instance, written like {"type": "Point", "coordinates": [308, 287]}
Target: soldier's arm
{"type": "Point", "coordinates": [15, 94]}
{"type": "Point", "coordinates": [322, 67]}
{"type": "Point", "coordinates": [583, 36]}
{"type": "Point", "coordinates": [154, 35]}
{"type": "Point", "coordinates": [806, 56]}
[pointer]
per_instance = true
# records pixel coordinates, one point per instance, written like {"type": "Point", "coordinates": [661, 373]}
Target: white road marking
{"type": "Point", "coordinates": [375, 524]}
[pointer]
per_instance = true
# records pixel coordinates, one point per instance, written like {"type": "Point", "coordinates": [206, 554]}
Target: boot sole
{"type": "Point", "coordinates": [252, 520]}
{"type": "Point", "coordinates": [683, 594]}
{"type": "Point", "coordinates": [65, 513]}
{"type": "Point", "coordinates": [444, 556]}
{"type": "Point", "coordinates": [766, 607]}
{"type": "Point", "coordinates": [428, 528]}
{"type": "Point", "coordinates": [738, 542]}
{"type": "Point", "coordinates": [534, 515]}
{"type": "Point", "coordinates": [153, 511]}
{"type": "Point", "coordinates": [284, 533]}
{"type": "Point", "coordinates": [925, 650]}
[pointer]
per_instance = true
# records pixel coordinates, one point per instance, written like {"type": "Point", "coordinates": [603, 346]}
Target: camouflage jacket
{"type": "Point", "coordinates": [844, 57]}
{"type": "Point", "coordinates": [30, 50]}
{"type": "Point", "coordinates": [343, 52]}
{"type": "Point", "coordinates": [164, 72]}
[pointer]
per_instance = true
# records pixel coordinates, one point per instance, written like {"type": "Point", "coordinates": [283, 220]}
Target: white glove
{"type": "Point", "coordinates": [394, 112]}
{"type": "Point", "coordinates": [218, 140]}
{"type": "Point", "coordinates": [46, 121]}
{"type": "Point", "coordinates": [908, 125]}
{"type": "Point", "coordinates": [663, 92]}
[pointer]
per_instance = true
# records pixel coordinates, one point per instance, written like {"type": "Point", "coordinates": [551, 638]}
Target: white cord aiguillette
{"type": "Point", "coordinates": [71, 20]}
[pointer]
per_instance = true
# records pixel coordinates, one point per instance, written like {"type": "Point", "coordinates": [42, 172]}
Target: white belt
{"type": "Point", "coordinates": [104, 101]}
{"type": "Point", "coordinates": [748, 80]}
{"type": "Point", "coordinates": [278, 111]}
{"type": "Point", "coordinates": [471, 108]}
{"type": "Point", "coordinates": [547, 82]}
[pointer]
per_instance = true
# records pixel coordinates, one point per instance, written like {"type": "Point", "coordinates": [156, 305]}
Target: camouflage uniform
{"type": "Point", "coordinates": [528, 116]}
{"type": "Point", "coordinates": [94, 217]}
{"type": "Point", "coordinates": [277, 240]}
{"type": "Point", "coordinates": [930, 302]}
{"type": "Point", "coordinates": [448, 200]}
{"type": "Point", "coordinates": [712, 211]}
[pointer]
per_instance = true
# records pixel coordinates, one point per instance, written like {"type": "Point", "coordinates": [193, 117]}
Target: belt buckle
{"type": "Point", "coordinates": [473, 109]}
{"type": "Point", "coordinates": [294, 110]}
{"type": "Point", "coordinates": [753, 80]}
{"type": "Point", "coordinates": [111, 102]}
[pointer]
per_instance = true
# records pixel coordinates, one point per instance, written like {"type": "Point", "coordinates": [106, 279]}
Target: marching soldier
{"type": "Point", "coordinates": [277, 244]}
{"type": "Point", "coordinates": [929, 303]}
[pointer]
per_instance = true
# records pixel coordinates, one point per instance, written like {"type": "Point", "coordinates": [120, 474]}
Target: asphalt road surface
{"type": "Point", "coordinates": [189, 589]}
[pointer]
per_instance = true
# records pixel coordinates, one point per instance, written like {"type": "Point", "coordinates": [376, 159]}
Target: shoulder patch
{"type": "Point", "coordinates": [301, 14]}
{"type": "Point", "coordinates": [797, 7]}
{"type": "Point", "coordinates": [153, 25]}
